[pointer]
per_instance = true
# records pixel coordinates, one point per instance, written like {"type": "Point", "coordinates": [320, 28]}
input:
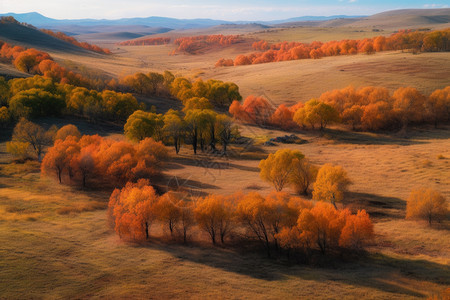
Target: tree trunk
{"type": "Point", "coordinates": [194, 142]}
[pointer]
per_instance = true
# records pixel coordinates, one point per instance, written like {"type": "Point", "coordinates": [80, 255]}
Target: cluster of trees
{"type": "Point", "coordinates": [151, 84]}
{"type": "Point", "coordinates": [257, 110]}
{"type": "Point", "coordinates": [367, 108]}
{"type": "Point", "coordinates": [81, 159]}
{"type": "Point", "coordinates": [427, 204]}
{"type": "Point", "coordinates": [374, 108]}
{"type": "Point", "coordinates": [406, 39]}
{"type": "Point", "coordinates": [39, 97]}
{"type": "Point", "coordinates": [33, 61]}
{"type": "Point", "coordinates": [196, 44]}
{"type": "Point", "coordinates": [290, 167]}
{"type": "Point", "coordinates": [277, 221]}
{"type": "Point", "coordinates": [73, 41]}
{"type": "Point", "coordinates": [146, 42]}
{"type": "Point", "coordinates": [220, 94]}
{"type": "Point", "coordinates": [197, 125]}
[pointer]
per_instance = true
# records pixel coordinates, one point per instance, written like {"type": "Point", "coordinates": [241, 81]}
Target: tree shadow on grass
{"type": "Point", "coordinates": [377, 206]}
{"type": "Point", "coordinates": [411, 137]}
{"type": "Point", "coordinates": [374, 271]}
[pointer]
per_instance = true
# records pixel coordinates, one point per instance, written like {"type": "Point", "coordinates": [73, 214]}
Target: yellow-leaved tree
{"type": "Point", "coordinates": [278, 167]}
{"type": "Point", "coordinates": [426, 204]}
{"type": "Point", "coordinates": [331, 183]}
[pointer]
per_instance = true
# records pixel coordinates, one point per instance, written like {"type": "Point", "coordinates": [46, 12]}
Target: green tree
{"type": "Point", "coordinates": [36, 103]}
{"type": "Point", "coordinates": [143, 124]}
{"type": "Point", "coordinates": [174, 128]}
{"type": "Point", "coordinates": [316, 113]}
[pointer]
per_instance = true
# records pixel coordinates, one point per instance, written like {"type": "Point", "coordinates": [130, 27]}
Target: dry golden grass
{"type": "Point", "coordinates": [77, 256]}
{"type": "Point", "coordinates": [311, 34]}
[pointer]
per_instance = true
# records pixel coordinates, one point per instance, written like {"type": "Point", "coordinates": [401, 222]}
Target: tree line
{"type": "Point", "coordinates": [40, 97]}
{"type": "Point", "coordinates": [36, 62]}
{"type": "Point", "coordinates": [278, 222]}
{"type": "Point", "coordinates": [433, 41]}
{"type": "Point", "coordinates": [86, 159]}
{"type": "Point", "coordinates": [197, 124]}
{"type": "Point", "coordinates": [367, 108]}
{"type": "Point", "coordinates": [200, 43]}
{"type": "Point", "coordinates": [146, 42]}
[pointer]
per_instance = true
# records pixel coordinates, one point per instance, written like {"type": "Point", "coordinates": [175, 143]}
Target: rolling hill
{"type": "Point", "coordinates": [29, 37]}
{"type": "Point", "coordinates": [395, 19]}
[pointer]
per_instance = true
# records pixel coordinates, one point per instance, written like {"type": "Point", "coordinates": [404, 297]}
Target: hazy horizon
{"type": "Point", "coordinates": [233, 10]}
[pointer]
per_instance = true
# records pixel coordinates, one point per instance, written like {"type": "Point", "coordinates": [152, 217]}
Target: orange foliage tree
{"type": "Point", "coordinates": [404, 39]}
{"type": "Point", "coordinates": [110, 162]}
{"type": "Point", "coordinates": [132, 209]}
{"type": "Point", "coordinates": [254, 110]}
{"type": "Point", "coordinates": [214, 214]}
{"type": "Point", "coordinates": [197, 44]}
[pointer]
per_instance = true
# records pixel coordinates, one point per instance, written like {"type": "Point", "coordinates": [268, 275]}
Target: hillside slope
{"type": "Point", "coordinates": [28, 37]}
{"type": "Point", "coordinates": [389, 20]}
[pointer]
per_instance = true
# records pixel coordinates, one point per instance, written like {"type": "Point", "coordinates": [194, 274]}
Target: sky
{"type": "Point", "coordinates": [230, 10]}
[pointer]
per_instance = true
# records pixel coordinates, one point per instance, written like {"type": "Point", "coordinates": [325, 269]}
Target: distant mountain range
{"type": "Point", "coordinates": [41, 21]}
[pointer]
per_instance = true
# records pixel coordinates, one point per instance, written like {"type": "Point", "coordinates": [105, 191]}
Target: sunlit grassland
{"type": "Point", "coordinates": [48, 253]}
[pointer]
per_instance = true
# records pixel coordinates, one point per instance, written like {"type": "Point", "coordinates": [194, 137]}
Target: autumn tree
{"type": "Point", "coordinates": [33, 134]}
{"type": "Point", "coordinates": [67, 130]}
{"type": "Point", "coordinates": [409, 105]}
{"type": "Point", "coordinates": [331, 183]}
{"type": "Point", "coordinates": [167, 210]}
{"type": "Point", "coordinates": [58, 157]}
{"type": "Point", "coordinates": [302, 176]}
{"type": "Point", "coordinates": [438, 105]}
{"type": "Point", "coordinates": [255, 110]}
{"type": "Point", "coordinates": [214, 214]}
{"type": "Point", "coordinates": [278, 167]}
{"type": "Point", "coordinates": [186, 217]}
{"type": "Point", "coordinates": [264, 217]}
{"type": "Point", "coordinates": [357, 231]}
{"type": "Point", "coordinates": [4, 116]}
{"type": "Point", "coordinates": [426, 204]}
{"type": "Point", "coordinates": [322, 225]}
{"type": "Point", "coordinates": [283, 118]}
{"type": "Point", "coordinates": [83, 164]}
{"type": "Point", "coordinates": [131, 209]}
